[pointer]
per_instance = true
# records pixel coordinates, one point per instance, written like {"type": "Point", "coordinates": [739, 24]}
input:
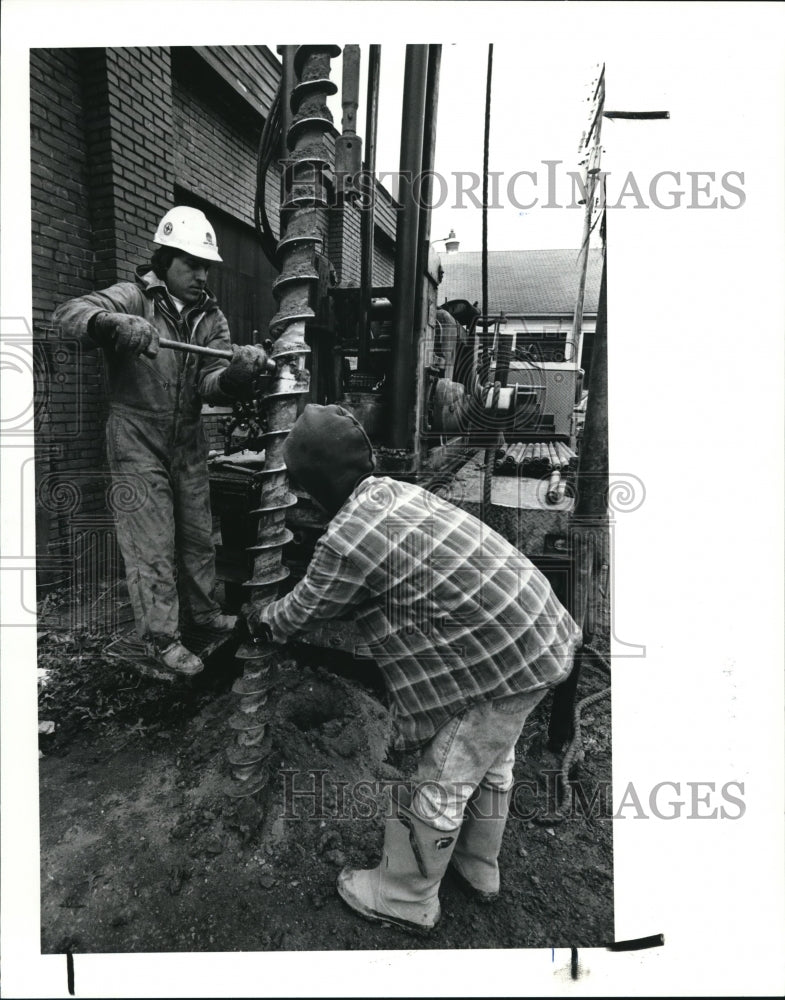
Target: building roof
{"type": "Point", "coordinates": [522, 282]}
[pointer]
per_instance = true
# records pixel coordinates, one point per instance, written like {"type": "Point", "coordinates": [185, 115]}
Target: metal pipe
{"type": "Point", "coordinates": [637, 115]}
{"type": "Point", "coordinates": [348, 145]}
{"type": "Point", "coordinates": [503, 358]}
{"type": "Point", "coordinates": [592, 174]}
{"type": "Point", "coordinates": [368, 209]}
{"type": "Point", "coordinates": [406, 244]}
{"type": "Point", "coordinates": [486, 146]}
{"type": "Point", "coordinates": [350, 89]}
{"type": "Point", "coordinates": [589, 527]}
{"type": "Point", "coordinates": [555, 491]}
{"type": "Point", "coordinates": [426, 174]}
{"type": "Point", "coordinates": [180, 345]}
{"type": "Point", "coordinates": [286, 52]}
{"type": "Point", "coordinates": [592, 475]}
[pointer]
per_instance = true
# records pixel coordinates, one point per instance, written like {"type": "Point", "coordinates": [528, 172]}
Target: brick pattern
{"type": "Point", "coordinates": [215, 158]}
{"type": "Point", "coordinates": [102, 175]}
{"type": "Point", "coordinates": [70, 408]}
{"type": "Point", "coordinates": [61, 226]}
{"type": "Point", "coordinates": [345, 223]}
{"type": "Point", "coordinates": [136, 156]}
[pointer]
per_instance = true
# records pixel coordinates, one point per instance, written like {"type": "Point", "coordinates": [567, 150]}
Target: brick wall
{"type": "Point", "coordinates": [102, 176]}
{"type": "Point", "coordinates": [214, 154]}
{"type": "Point", "coordinates": [345, 222]}
{"type": "Point", "coordinates": [61, 227]}
{"type": "Point", "coordinates": [129, 128]}
{"type": "Point", "coordinates": [69, 397]}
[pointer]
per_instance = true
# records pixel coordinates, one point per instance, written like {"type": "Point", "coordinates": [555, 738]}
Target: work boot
{"type": "Point", "coordinates": [404, 887]}
{"type": "Point", "coordinates": [179, 660]}
{"type": "Point", "coordinates": [475, 859]}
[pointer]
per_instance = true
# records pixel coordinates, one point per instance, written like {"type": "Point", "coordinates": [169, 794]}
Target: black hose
{"type": "Point", "coordinates": [575, 743]}
{"type": "Point", "coordinates": [268, 143]}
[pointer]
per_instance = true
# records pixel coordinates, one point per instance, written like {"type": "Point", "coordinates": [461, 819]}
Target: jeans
{"type": "Point", "coordinates": [476, 747]}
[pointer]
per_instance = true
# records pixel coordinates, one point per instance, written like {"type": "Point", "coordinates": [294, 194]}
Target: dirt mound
{"type": "Point", "coordinates": [141, 849]}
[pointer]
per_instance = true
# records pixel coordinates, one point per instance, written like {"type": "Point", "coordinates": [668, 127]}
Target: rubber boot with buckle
{"type": "Point", "coordinates": [475, 859]}
{"type": "Point", "coordinates": [403, 890]}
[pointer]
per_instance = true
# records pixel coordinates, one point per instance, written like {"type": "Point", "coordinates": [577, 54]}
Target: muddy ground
{"type": "Point", "coordinates": [142, 850]}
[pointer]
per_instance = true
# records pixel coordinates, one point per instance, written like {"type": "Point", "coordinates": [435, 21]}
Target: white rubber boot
{"type": "Point", "coordinates": [476, 854]}
{"type": "Point", "coordinates": [404, 887]}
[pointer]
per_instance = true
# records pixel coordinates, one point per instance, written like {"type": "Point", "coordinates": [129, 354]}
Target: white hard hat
{"type": "Point", "coordinates": [188, 229]}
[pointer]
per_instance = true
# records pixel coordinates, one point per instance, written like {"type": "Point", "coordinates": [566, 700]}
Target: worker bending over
{"type": "Point", "coordinates": [155, 441]}
{"type": "Point", "coordinates": [468, 636]}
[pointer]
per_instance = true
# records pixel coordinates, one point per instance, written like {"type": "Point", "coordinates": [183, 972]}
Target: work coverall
{"type": "Point", "coordinates": [157, 449]}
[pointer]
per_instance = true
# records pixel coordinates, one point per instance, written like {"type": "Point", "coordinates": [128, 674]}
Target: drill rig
{"type": "Point", "coordinates": [431, 385]}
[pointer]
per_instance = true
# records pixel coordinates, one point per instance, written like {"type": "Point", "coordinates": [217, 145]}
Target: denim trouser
{"type": "Point", "coordinates": [476, 747]}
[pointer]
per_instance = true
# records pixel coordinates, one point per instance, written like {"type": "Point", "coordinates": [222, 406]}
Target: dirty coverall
{"type": "Point", "coordinates": [156, 447]}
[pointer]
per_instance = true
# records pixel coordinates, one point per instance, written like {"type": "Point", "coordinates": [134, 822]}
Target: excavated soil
{"type": "Point", "coordinates": [142, 850]}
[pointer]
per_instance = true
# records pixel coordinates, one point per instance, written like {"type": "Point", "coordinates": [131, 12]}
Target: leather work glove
{"type": "Point", "coordinates": [129, 334]}
{"type": "Point", "coordinates": [247, 362]}
{"type": "Point", "coordinates": [251, 627]}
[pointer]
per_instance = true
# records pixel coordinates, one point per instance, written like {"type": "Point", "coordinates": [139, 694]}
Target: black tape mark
{"type": "Point", "coordinates": [637, 944]}
{"type": "Point", "coordinates": [574, 963]}
{"type": "Point", "coordinates": [69, 969]}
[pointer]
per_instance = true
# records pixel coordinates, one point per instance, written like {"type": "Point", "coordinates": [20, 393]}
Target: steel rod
{"type": "Point", "coordinates": [179, 345]}
{"type": "Point", "coordinates": [368, 209]}
{"type": "Point", "coordinates": [406, 241]}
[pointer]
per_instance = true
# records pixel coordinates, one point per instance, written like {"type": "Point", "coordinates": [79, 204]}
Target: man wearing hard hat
{"type": "Point", "coordinates": [155, 441]}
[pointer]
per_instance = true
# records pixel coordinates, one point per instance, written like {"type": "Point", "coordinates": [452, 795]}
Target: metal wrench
{"type": "Point", "coordinates": [212, 352]}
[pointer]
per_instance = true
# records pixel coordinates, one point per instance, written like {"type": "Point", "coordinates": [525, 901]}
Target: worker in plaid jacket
{"type": "Point", "coordinates": [468, 636]}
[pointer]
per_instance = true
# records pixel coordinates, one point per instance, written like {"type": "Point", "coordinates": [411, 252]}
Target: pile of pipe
{"type": "Point", "coordinates": [534, 458]}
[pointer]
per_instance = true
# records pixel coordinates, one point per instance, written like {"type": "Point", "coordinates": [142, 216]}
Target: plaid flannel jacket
{"type": "Point", "coordinates": [452, 613]}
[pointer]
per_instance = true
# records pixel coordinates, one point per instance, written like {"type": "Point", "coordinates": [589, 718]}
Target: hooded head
{"type": "Point", "coordinates": [328, 453]}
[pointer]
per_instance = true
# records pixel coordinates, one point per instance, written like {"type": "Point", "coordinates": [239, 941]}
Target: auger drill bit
{"type": "Point", "coordinates": [302, 226]}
